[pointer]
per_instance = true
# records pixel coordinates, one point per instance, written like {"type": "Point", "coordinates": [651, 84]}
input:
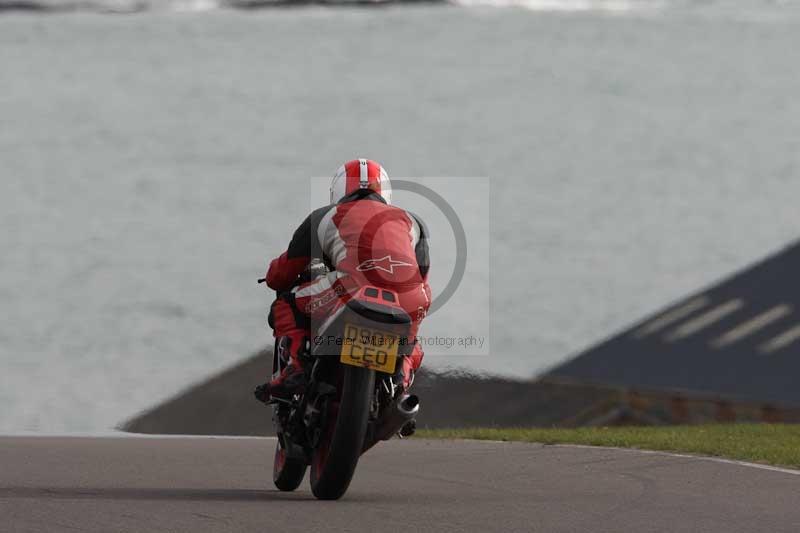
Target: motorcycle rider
{"type": "Point", "coordinates": [362, 239]}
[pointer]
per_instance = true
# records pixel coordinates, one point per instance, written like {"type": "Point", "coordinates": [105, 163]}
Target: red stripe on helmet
{"type": "Point", "coordinates": [374, 173]}
{"type": "Point", "coordinates": [353, 170]}
{"type": "Point", "coordinates": [353, 175]}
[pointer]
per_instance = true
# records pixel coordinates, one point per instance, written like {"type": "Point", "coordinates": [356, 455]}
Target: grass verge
{"type": "Point", "coordinates": [774, 444]}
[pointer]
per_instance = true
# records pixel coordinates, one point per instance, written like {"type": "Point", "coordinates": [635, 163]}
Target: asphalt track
{"type": "Point", "coordinates": [197, 484]}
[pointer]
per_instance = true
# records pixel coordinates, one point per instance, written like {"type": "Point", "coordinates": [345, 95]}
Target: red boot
{"type": "Point", "coordinates": [410, 365]}
{"type": "Point", "coordinates": [292, 379]}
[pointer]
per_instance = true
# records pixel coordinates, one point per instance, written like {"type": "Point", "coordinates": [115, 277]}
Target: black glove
{"type": "Point", "coordinates": [261, 393]}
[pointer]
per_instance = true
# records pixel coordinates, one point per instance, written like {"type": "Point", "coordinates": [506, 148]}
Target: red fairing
{"type": "Point", "coordinates": [283, 271]}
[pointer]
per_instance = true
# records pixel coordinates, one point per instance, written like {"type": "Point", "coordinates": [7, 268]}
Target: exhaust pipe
{"type": "Point", "coordinates": [404, 409]}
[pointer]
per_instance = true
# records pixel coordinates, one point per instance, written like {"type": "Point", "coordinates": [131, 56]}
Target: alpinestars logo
{"type": "Point", "coordinates": [386, 264]}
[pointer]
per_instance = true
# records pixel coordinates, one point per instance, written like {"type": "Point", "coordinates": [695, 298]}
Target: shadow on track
{"type": "Point", "coordinates": [155, 494]}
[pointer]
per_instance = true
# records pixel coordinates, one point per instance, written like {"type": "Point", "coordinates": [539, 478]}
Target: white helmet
{"type": "Point", "coordinates": [360, 174]}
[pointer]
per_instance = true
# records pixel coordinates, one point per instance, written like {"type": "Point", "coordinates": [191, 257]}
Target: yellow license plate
{"type": "Point", "coordinates": [370, 348]}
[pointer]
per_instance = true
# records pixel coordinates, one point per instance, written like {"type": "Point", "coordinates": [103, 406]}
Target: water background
{"type": "Point", "coordinates": [151, 163]}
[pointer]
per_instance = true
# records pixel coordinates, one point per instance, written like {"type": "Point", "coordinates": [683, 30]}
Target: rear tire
{"type": "Point", "coordinates": [334, 461]}
{"type": "Point", "coordinates": [287, 472]}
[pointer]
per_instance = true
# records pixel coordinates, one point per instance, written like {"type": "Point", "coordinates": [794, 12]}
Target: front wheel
{"type": "Point", "coordinates": [287, 472]}
{"type": "Point", "coordinates": [334, 461]}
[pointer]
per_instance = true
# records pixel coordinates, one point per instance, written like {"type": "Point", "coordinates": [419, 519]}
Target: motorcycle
{"type": "Point", "coordinates": [353, 399]}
